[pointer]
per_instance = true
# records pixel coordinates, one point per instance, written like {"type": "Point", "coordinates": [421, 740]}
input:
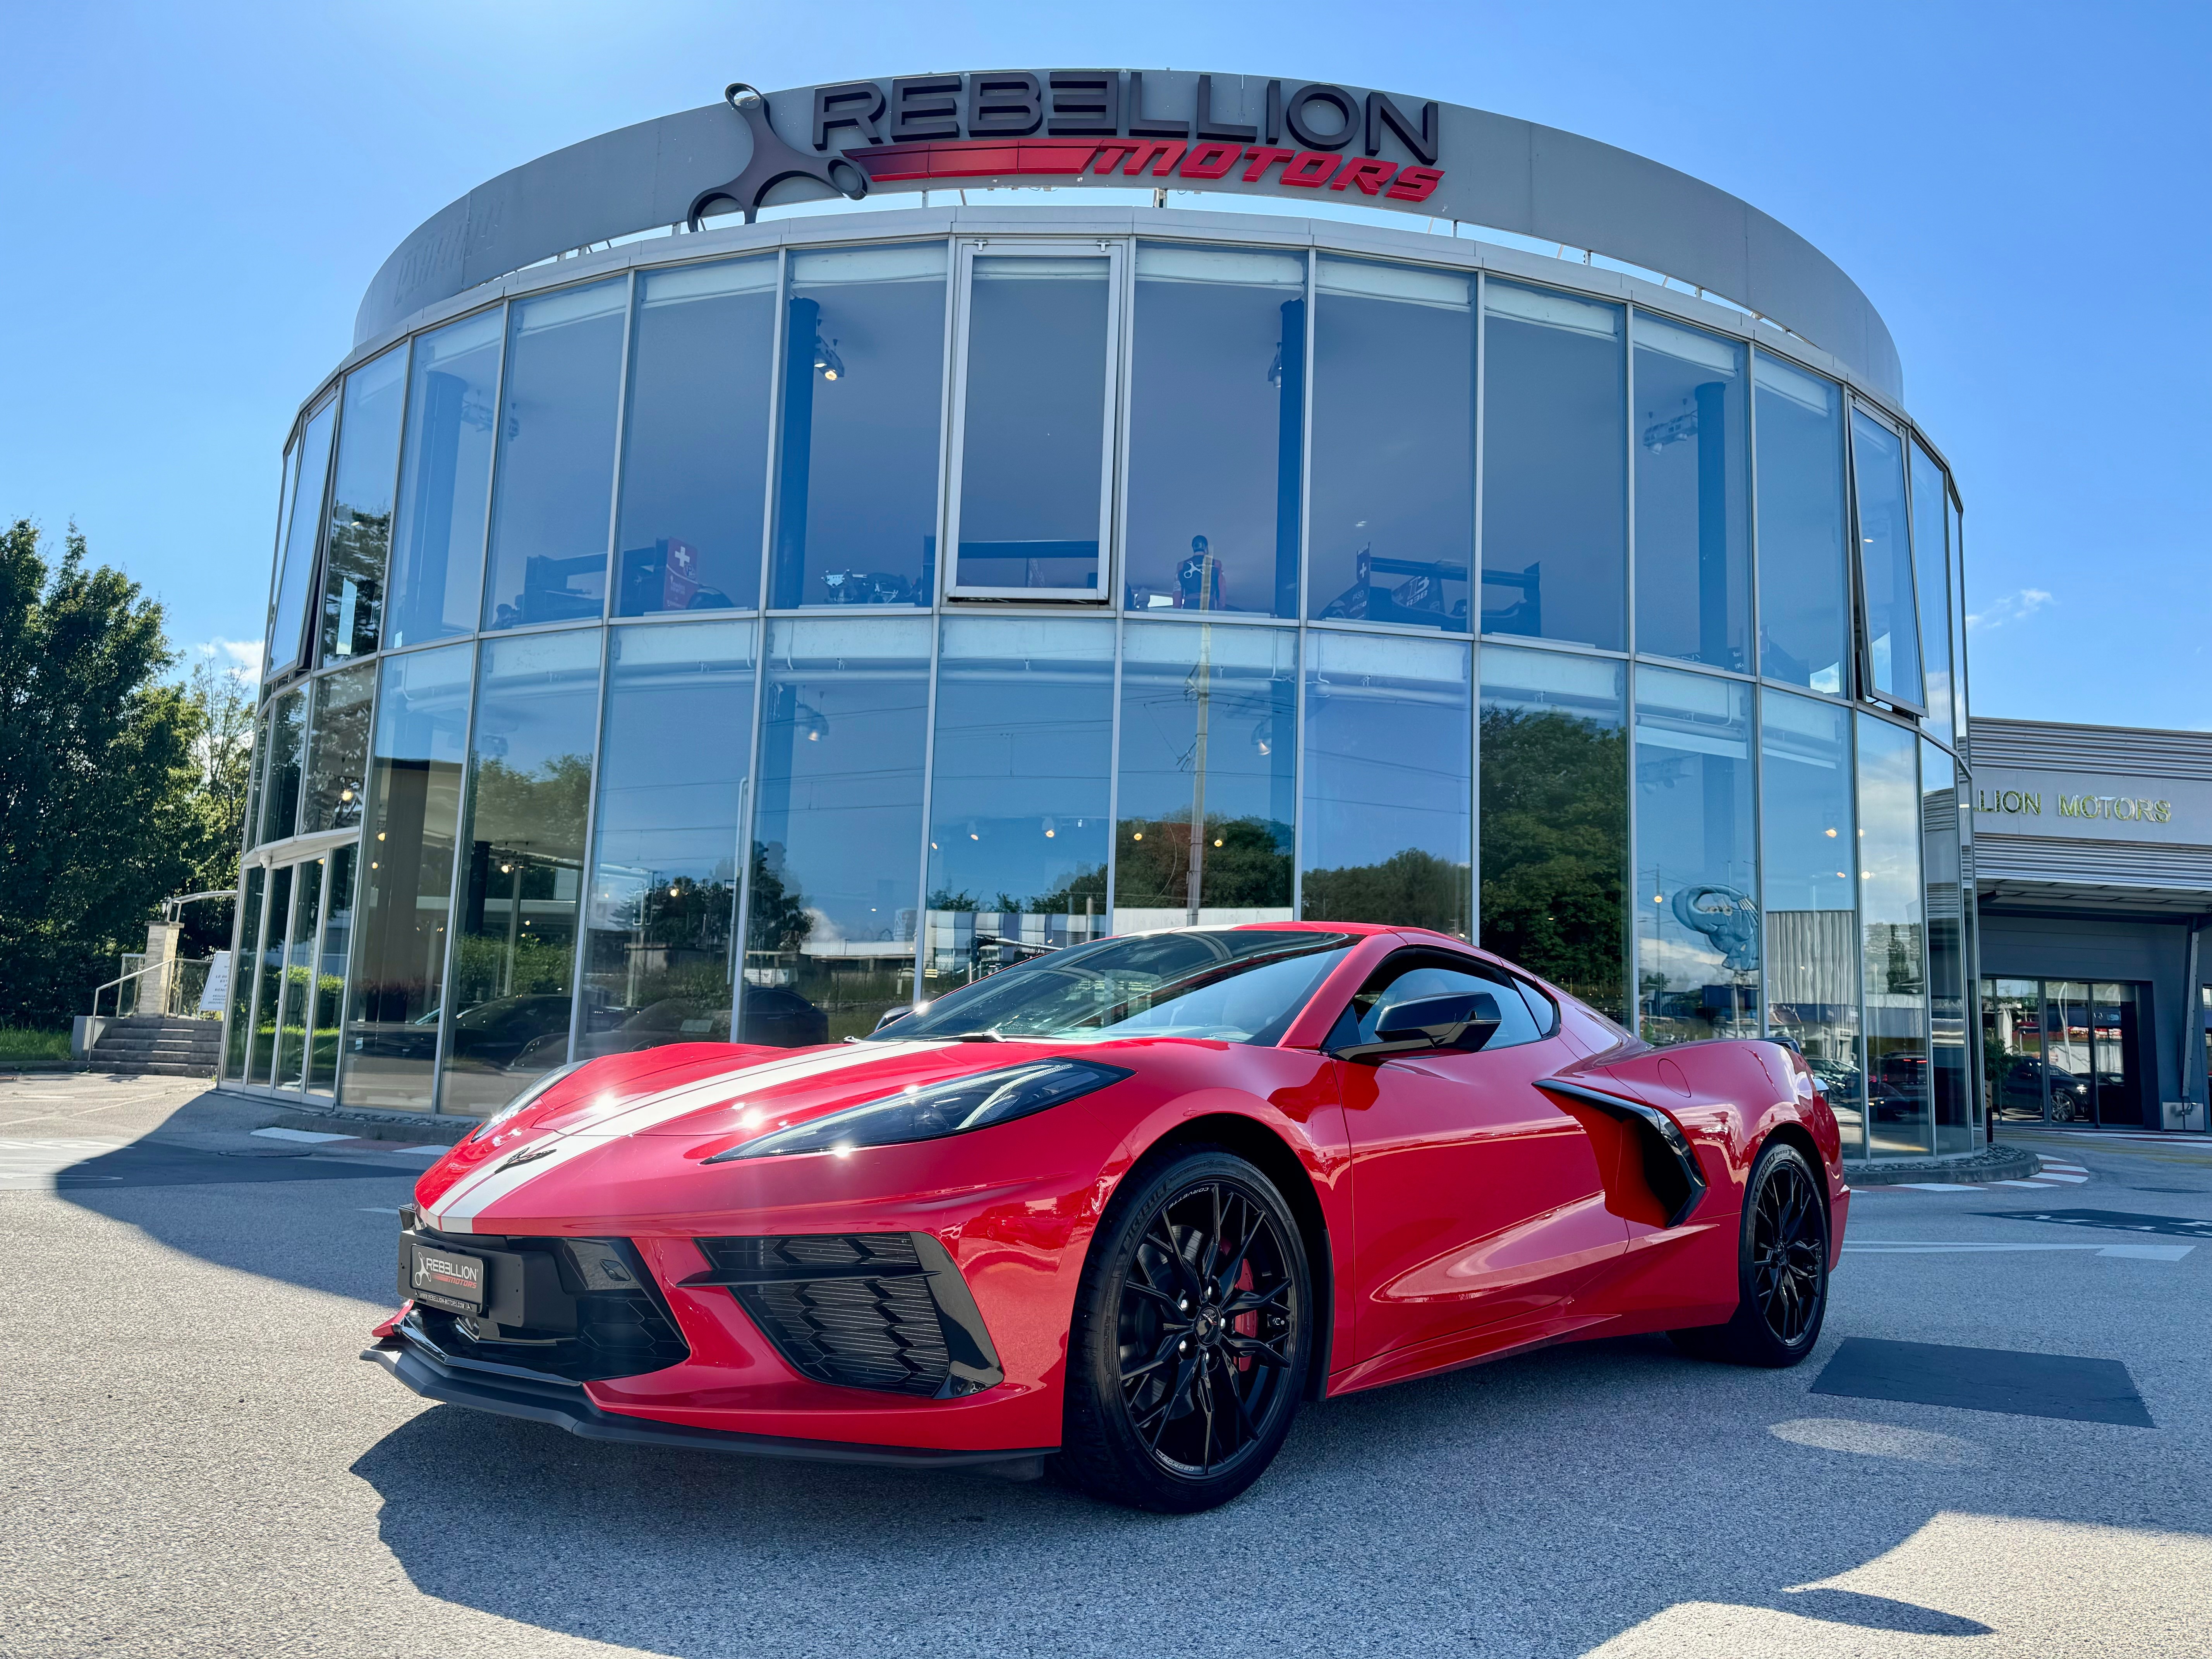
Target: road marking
{"type": "Point", "coordinates": [2053, 1175]}
{"type": "Point", "coordinates": [299, 1134]}
{"type": "Point", "coordinates": [26, 1164]}
{"type": "Point", "coordinates": [1936, 1187]}
{"type": "Point", "coordinates": [1931, 1247]}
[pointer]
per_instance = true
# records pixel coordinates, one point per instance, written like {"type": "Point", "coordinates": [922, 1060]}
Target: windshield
{"type": "Point", "coordinates": [1236, 986]}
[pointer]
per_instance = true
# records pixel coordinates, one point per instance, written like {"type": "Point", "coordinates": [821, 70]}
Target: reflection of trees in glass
{"type": "Point", "coordinates": [1067, 899]}
{"type": "Point", "coordinates": [353, 583]}
{"type": "Point", "coordinates": [526, 828]}
{"type": "Point", "coordinates": [778, 920]}
{"type": "Point", "coordinates": [1409, 889]}
{"type": "Point", "coordinates": [1246, 864]}
{"type": "Point", "coordinates": [1555, 849]}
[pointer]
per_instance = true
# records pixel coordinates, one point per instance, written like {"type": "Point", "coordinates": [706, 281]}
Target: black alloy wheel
{"type": "Point", "coordinates": [1782, 1268]}
{"type": "Point", "coordinates": [1191, 1338]}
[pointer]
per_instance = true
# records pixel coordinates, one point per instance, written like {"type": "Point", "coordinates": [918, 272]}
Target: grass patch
{"type": "Point", "coordinates": [16, 1043]}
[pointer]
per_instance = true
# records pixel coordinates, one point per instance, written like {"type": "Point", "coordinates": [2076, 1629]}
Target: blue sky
{"type": "Point", "coordinates": [195, 198]}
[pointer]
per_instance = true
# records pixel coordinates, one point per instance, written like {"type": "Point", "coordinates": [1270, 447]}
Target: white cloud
{"type": "Point", "coordinates": [239, 653]}
{"type": "Point", "coordinates": [2008, 607]}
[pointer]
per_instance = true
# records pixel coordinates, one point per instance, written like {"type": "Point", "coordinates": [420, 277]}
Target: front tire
{"type": "Point", "coordinates": [1192, 1335]}
{"type": "Point", "coordinates": [1782, 1268]}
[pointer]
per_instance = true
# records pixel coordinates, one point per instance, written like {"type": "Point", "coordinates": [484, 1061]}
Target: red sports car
{"type": "Point", "coordinates": [1124, 1205]}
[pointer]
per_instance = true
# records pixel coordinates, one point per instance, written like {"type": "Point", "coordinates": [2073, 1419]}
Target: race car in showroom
{"type": "Point", "coordinates": [1124, 1206]}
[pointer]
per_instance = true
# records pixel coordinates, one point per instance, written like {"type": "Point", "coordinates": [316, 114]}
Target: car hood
{"type": "Point", "coordinates": [693, 1104]}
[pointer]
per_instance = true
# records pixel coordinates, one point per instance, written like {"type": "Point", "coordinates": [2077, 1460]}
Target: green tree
{"type": "Point", "coordinates": [221, 701]}
{"type": "Point", "coordinates": [98, 817]}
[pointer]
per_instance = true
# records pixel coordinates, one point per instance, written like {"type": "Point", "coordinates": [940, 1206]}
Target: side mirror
{"type": "Point", "coordinates": [1462, 1019]}
{"type": "Point", "coordinates": [890, 1014]}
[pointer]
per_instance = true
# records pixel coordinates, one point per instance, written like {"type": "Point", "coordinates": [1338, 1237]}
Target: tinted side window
{"type": "Point", "coordinates": [1409, 979]}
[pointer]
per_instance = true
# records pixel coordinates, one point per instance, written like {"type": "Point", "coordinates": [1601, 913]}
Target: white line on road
{"type": "Point", "coordinates": [1930, 1247]}
{"type": "Point", "coordinates": [299, 1134]}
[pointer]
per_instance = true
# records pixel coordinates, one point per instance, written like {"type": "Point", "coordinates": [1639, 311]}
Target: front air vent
{"type": "Point", "coordinates": [884, 1311]}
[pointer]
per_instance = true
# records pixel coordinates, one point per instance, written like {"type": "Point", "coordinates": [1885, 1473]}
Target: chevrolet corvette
{"type": "Point", "coordinates": [1124, 1206]}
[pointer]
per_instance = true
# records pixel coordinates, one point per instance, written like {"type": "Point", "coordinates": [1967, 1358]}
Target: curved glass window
{"type": "Point", "coordinates": [1386, 835]}
{"type": "Point", "coordinates": [337, 750]}
{"type": "Point", "coordinates": [1697, 869]}
{"type": "Point", "coordinates": [1554, 821]}
{"type": "Point", "coordinates": [1392, 492]}
{"type": "Point", "coordinates": [361, 507]}
{"type": "Point", "coordinates": [1931, 512]}
{"type": "Point", "coordinates": [514, 933]}
{"type": "Point", "coordinates": [445, 481]}
{"type": "Point", "coordinates": [1892, 621]}
{"type": "Point", "coordinates": [288, 745]}
{"type": "Point", "coordinates": [1941, 800]}
{"type": "Point", "coordinates": [414, 810]}
{"type": "Point", "coordinates": [1893, 910]}
{"type": "Point", "coordinates": [295, 579]}
{"type": "Point", "coordinates": [1208, 774]}
{"type": "Point", "coordinates": [1808, 837]}
{"type": "Point", "coordinates": [661, 962]}
{"type": "Point", "coordinates": [1804, 630]}
{"type": "Point", "coordinates": [863, 382]}
{"type": "Point", "coordinates": [1031, 510]}
{"type": "Point", "coordinates": [1555, 470]}
{"type": "Point", "coordinates": [1693, 517]}
{"type": "Point", "coordinates": [1018, 828]}
{"type": "Point", "coordinates": [829, 943]}
{"type": "Point", "coordinates": [1216, 430]}
{"type": "Point", "coordinates": [556, 456]}
{"type": "Point", "coordinates": [695, 438]}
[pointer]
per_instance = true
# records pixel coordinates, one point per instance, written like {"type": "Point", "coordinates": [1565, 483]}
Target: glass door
{"type": "Point", "coordinates": [290, 994]}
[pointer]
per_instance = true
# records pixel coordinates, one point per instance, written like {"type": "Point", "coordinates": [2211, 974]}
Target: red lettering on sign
{"type": "Point", "coordinates": [1262, 157]}
{"type": "Point", "coordinates": [1415, 184]}
{"type": "Point", "coordinates": [1209, 161]}
{"type": "Point", "coordinates": [1311, 170]}
{"type": "Point", "coordinates": [1111, 153]}
{"type": "Point", "coordinates": [1369, 175]}
{"type": "Point", "coordinates": [1168, 151]}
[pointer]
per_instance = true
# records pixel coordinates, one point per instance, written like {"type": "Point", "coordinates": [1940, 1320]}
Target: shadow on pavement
{"type": "Point", "coordinates": [293, 1213]}
{"type": "Point", "coordinates": [696, 1554]}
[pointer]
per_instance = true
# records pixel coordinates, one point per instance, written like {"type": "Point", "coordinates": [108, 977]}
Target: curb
{"type": "Point", "coordinates": [1988, 1163]}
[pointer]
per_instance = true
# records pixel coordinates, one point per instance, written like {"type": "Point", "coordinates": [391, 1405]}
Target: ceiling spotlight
{"type": "Point", "coordinates": [1050, 829]}
{"type": "Point", "coordinates": [830, 366]}
{"type": "Point", "coordinates": [811, 720]}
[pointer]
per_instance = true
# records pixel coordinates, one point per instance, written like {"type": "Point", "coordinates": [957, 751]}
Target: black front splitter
{"type": "Point", "coordinates": [565, 1405]}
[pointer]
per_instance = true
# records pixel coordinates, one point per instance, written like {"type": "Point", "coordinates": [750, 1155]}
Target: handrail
{"type": "Point", "coordinates": [117, 984]}
{"type": "Point", "coordinates": [172, 908]}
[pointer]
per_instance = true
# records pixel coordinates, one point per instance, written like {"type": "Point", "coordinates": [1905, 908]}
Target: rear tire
{"type": "Point", "coordinates": [1782, 1268]}
{"type": "Point", "coordinates": [1192, 1335]}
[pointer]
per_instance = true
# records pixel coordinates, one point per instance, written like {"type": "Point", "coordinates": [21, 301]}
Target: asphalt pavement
{"type": "Point", "coordinates": [192, 1459]}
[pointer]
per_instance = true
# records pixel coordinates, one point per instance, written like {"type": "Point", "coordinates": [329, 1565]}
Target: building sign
{"type": "Point", "coordinates": [2014, 802]}
{"type": "Point", "coordinates": [1088, 127]}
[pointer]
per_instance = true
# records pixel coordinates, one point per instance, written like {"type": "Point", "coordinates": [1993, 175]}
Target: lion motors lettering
{"type": "Point", "coordinates": [2029, 802]}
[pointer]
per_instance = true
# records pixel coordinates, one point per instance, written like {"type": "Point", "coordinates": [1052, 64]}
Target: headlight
{"type": "Point", "coordinates": [524, 1101]}
{"type": "Point", "coordinates": [932, 1112]}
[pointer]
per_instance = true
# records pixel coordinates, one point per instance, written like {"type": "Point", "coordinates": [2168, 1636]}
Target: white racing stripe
{"type": "Point", "coordinates": [457, 1210]}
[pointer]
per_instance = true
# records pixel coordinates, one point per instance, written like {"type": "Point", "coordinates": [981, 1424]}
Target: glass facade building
{"type": "Point", "coordinates": [758, 630]}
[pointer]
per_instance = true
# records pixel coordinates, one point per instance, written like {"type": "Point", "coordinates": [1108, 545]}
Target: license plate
{"type": "Point", "coordinates": [447, 1278]}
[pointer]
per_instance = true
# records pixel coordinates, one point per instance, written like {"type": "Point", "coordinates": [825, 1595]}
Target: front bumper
{"type": "Point", "coordinates": [507, 1391]}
